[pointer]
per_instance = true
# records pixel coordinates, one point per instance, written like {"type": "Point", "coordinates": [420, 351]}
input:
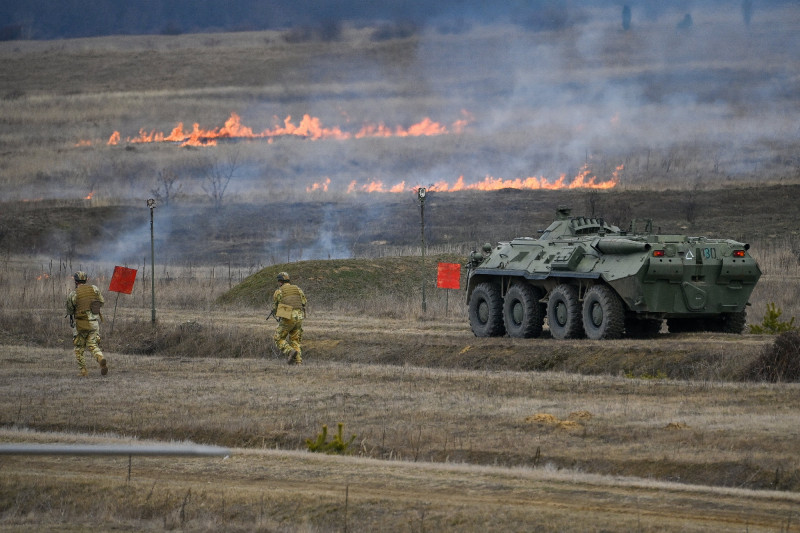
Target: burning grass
{"type": "Point", "coordinates": [541, 109]}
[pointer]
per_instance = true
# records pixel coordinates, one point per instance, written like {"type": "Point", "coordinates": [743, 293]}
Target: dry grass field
{"type": "Point", "coordinates": [435, 448]}
{"type": "Point", "coordinates": [451, 432]}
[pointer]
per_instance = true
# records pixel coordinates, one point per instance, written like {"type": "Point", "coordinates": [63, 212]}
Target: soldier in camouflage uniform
{"type": "Point", "coordinates": [83, 306]}
{"type": "Point", "coordinates": [289, 305]}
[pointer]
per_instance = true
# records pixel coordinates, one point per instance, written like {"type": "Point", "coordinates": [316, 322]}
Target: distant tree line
{"type": "Point", "coordinates": [45, 19]}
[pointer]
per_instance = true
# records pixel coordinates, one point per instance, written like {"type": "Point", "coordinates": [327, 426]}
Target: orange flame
{"type": "Point", "coordinates": [42, 276]}
{"type": "Point", "coordinates": [489, 183]}
{"type": "Point", "coordinates": [308, 128]}
{"type": "Point", "coordinates": [319, 186]}
{"type": "Point", "coordinates": [89, 196]}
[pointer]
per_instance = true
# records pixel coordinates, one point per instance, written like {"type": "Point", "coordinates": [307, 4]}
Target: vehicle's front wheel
{"type": "Point", "coordinates": [486, 311]}
{"type": "Point", "coordinates": [603, 314]}
{"type": "Point", "coordinates": [522, 313]}
{"type": "Point", "coordinates": [564, 313]}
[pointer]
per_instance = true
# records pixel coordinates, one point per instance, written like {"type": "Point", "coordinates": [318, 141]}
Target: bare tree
{"type": "Point", "coordinates": [167, 186]}
{"type": "Point", "coordinates": [218, 175]}
{"type": "Point", "coordinates": [619, 212]}
{"type": "Point", "coordinates": [747, 12]}
{"type": "Point", "coordinates": [593, 202]}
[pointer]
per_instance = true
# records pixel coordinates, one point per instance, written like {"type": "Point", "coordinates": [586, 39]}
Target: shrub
{"type": "Point", "coordinates": [771, 324]}
{"type": "Point", "coordinates": [780, 361]}
{"type": "Point", "coordinates": [336, 446]}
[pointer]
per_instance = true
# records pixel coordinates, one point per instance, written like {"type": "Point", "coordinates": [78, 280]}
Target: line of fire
{"type": "Point", "coordinates": [307, 128]}
{"type": "Point", "coordinates": [582, 180]}
{"type": "Point", "coordinates": [311, 128]}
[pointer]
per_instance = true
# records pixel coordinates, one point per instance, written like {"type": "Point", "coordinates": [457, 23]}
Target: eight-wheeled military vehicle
{"type": "Point", "coordinates": [590, 279]}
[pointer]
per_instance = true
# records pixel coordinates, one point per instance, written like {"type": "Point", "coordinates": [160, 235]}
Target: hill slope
{"type": "Point", "coordinates": [344, 280]}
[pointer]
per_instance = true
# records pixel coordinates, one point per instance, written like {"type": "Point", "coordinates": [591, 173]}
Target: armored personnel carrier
{"type": "Point", "coordinates": [590, 279]}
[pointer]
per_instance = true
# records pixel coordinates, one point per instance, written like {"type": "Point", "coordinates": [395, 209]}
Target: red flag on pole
{"type": "Point", "coordinates": [122, 280]}
{"type": "Point", "coordinates": [449, 276]}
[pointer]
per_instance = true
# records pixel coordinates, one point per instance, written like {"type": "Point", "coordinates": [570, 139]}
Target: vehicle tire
{"type": "Point", "coordinates": [523, 315]}
{"type": "Point", "coordinates": [603, 313]}
{"type": "Point", "coordinates": [643, 328]}
{"type": "Point", "coordinates": [486, 311]}
{"type": "Point", "coordinates": [564, 313]}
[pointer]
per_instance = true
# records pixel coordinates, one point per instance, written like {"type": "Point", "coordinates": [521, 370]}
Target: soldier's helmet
{"type": "Point", "coordinates": [80, 275]}
{"type": "Point", "coordinates": [283, 276]}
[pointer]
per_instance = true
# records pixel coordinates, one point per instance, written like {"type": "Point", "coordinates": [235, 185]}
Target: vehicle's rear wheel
{"type": "Point", "coordinates": [564, 313]}
{"type": "Point", "coordinates": [486, 311]}
{"type": "Point", "coordinates": [603, 313]}
{"type": "Point", "coordinates": [522, 313]}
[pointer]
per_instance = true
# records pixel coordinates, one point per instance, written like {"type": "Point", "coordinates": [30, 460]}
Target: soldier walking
{"type": "Point", "coordinates": [289, 306]}
{"type": "Point", "coordinates": [83, 307]}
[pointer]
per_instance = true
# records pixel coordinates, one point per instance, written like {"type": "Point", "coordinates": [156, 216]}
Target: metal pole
{"type": "Point", "coordinates": [114, 316]}
{"type": "Point", "coordinates": [152, 204]}
{"type": "Point", "coordinates": [421, 192]}
{"type": "Point", "coordinates": [24, 448]}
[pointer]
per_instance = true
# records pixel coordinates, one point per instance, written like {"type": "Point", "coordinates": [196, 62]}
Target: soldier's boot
{"type": "Point", "coordinates": [298, 358]}
{"type": "Point", "coordinates": [103, 366]}
{"type": "Point", "coordinates": [292, 353]}
{"type": "Point", "coordinates": [83, 373]}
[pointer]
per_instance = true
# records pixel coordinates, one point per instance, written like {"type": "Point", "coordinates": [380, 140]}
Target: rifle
{"type": "Point", "coordinates": [273, 348]}
{"type": "Point", "coordinates": [72, 326]}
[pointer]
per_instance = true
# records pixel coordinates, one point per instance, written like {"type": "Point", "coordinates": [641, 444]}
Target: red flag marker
{"type": "Point", "coordinates": [449, 276]}
{"type": "Point", "coordinates": [122, 280]}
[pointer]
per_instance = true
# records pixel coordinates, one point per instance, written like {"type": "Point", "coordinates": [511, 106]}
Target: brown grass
{"type": "Point", "coordinates": [289, 491]}
{"type": "Point", "coordinates": [706, 433]}
{"type": "Point", "coordinates": [781, 360]}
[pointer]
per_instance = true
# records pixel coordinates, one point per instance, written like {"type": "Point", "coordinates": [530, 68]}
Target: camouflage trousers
{"type": "Point", "coordinates": [291, 329]}
{"type": "Point", "coordinates": [87, 340]}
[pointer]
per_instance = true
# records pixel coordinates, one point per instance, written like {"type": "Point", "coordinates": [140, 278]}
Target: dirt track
{"type": "Point", "coordinates": [401, 496]}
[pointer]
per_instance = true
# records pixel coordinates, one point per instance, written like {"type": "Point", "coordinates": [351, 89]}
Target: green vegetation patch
{"type": "Point", "coordinates": [771, 323]}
